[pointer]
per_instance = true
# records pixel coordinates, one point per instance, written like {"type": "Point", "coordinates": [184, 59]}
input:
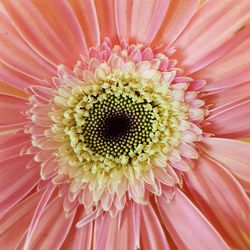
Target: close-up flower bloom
{"type": "Point", "coordinates": [124, 124]}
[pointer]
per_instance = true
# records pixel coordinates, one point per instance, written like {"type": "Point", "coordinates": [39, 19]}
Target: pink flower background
{"type": "Point", "coordinates": [210, 209]}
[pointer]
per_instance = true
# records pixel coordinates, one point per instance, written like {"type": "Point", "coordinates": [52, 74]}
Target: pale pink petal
{"type": "Point", "coordinates": [89, 217]}
{"type": "Point", "coordinates": [120, 231]}
{"type": "Point", "coordinates": [139, 21]}
{"type": "Point", "coordinates": [229, 95]}
{"type": "Point", "coordinates": [16, 181]}
{"type": "Point", "coordinates": [52, 228]}
{"type": "Point", "coordinates": [230, 121]}
{"type": "Point", "coordinates": [79, 238]}
{"type": "Point", "coordinates": [233, 154]}
{"type": "Point", "coordinates": [188, 150]}
{"type": "Point", "coordinates": [230, 70]}
{"type": "Point", "coordinates": [38, 212]}
{"type": "Point", "coordinates": [219, 192]}
{"type": "Point", "coordinates": [152, 234]}
{"type": "Point", "coordinates": [12, 77]}
{"type": "Point", "coordinates": [177, 17]}
{"type": "Point", "coordinates": [88, 21]}
{"type": "Point", "coordinates": [15, 223]}
{"type": "Point", "coordinates": [48, 168]}
{"type": "Point", "coordinates": [13, 151]}
{"type": "Point", "coordinates": [12, 48]}
{"type": "Point", "coordinates": [49, 27]}
{"type": "Point", "coordinates": [12, 143]}
{"type": "Point", "coordinates": [42, 92]}
{"type": "Point", "coordinates": [10, 127]}
{"type": "Point", "coordinates": [105, 10]}
{"type": "Point", "coordinates": [215, 29]}
{"type": "Point", "coordinates": [6, 88]}
{"type": "Point", "coordinates": [11, 108]}
{"type": "Point", "coordinates": [12, 139]}
{"type": "Point", "coordinates": [187, 226]}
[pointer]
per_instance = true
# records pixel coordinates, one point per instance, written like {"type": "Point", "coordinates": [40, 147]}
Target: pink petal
{"type": "Point", "coordinates": [178, 15]}
{"type": "Point", "coordinates": [79, 238]}
{"type": "Point", "coordinates": [187, 226]}
{"type": "Point", "coordinates": [136, 215]}
{"type": "Point", "coordinates": [120, 231]}
{"type": "Point", "coordinates": [232, 121]}
{"type": "Point", "coordinates": [16, 181]}
{"type": "Point", "coordinates": [105, 10]}
{"type": "Point", "coordinates": [229, 95]}
{"type": "Point", "coordinates": [12, 139]}
{"type": "Point", "coordinates": [11, 144]}
{"type": "Point", "coordinates": [12, 77]}
{"type": "Point", "coordinates": [137, 190]}
{"type": "Point", "coordinates": [136, 25]}
{"type": "Point", "coordinates": [188, 151]}
{"type": "Point", "coordinates": [38, 213]}
{"type": "Point", "coordinates": [48, 167]}
{"type": "Point", "coordinates": [163, 176]}
{"type": "Point", "coordinates": [107, 201]}
{"type": "Point", "coordinates": [10, 127]}
{"type": "Point", "coordinates": [218, 192]}
{"type": "Point", "coordinates": [152, 234]}
{"type": "Point", "coordinates": [15, 223]}
{"type": "Point", "coordinates": [13, 151]}
{"type": "Point", "coordinates": [7, 89]}
{"type": "Point", "coordinates": [89, 217]}
{"type": "Point", "coordinates": [50, 28]}
{"type": "Point", "coordinates": [12, 48]}
{"type": "Point", "coordinates": [11, 108]}
{"type": "Point", "coordinates": [230, 70]}
{"type": "Point", "coordinates": [225, 23]}
{"type": "Point", "coordinates": [233, 154]}
{"type": "Point", "coordinates": [52, 228]}
{"type": "Point", "coordinates": [88, 21]}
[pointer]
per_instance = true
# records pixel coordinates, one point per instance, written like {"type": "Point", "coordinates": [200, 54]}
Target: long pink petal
{"type": "Point", "coordinates": [219, 192]}
{"type": "Point", "coordinates": [49, 27]}
{"type": "Point", "coordinates": [10, 127]}
{"type": "Point", "coordinates": [12, 143]}
{"type": "Point", "coordinates": [216, 29]}
{"type": "Point", "coordinates": [187, 226]}
{"type": "Point", "coordinates": [12, 139]}
{"type": "Point", "coordinates": [120, 226]}
{"type": "Point", "coordinates": [230, 70]}
{"type": "Point", "coordinates": [229, 95]}
{"type": "Point", "coordinates": [11, 108]}
{"type": "Point", "coordinates": [178, 15]}
{"type": "Point", "coordinates": [233, 154]}
{"type": "Point", "coordinates": [152, 234]}
{"type": "Point", "coordinates": [12, 77]}
{"type": "Point", "coordinates": [232, 121]}
{"type": "Point", "coordinates": [13, 151]}
{"type": "Point", "coordinates": [88, 21]}
{"type": "Point", "coordinates": [105, 10]}
{"type": "Point", "coordinates": [52, 228]}
{"type": "Point", "coordinates": [12, 48]}
{"type": "Point", "coordinates": [79, 238]}
{"type": "Point", "coordinates": [6, 88]}
{"type": "Point", "coordinates": [15, 223]}
{"type": "Point", "coordinates": [38, 213]}
{"type": "Point", "coordinates": [16, 181]}
{"type": "Point", "coordinates": [140, 25]}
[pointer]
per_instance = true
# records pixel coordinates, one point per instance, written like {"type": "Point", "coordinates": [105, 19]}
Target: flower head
{"type": "Point", "coordinates": [121, 125]}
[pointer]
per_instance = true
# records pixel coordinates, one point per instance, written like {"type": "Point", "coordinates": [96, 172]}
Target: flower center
{"type": "Point", "coordinates": [117, 125]}
{"type": "Point", "coordinates": [120, 121]}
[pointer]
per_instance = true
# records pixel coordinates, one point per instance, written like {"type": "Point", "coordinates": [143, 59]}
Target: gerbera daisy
{"type": "Point", "coordinates": [120, 124]}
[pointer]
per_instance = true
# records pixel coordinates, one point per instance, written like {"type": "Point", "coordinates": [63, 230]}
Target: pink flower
{"type": "Point", "coordinates": [120, 123]}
